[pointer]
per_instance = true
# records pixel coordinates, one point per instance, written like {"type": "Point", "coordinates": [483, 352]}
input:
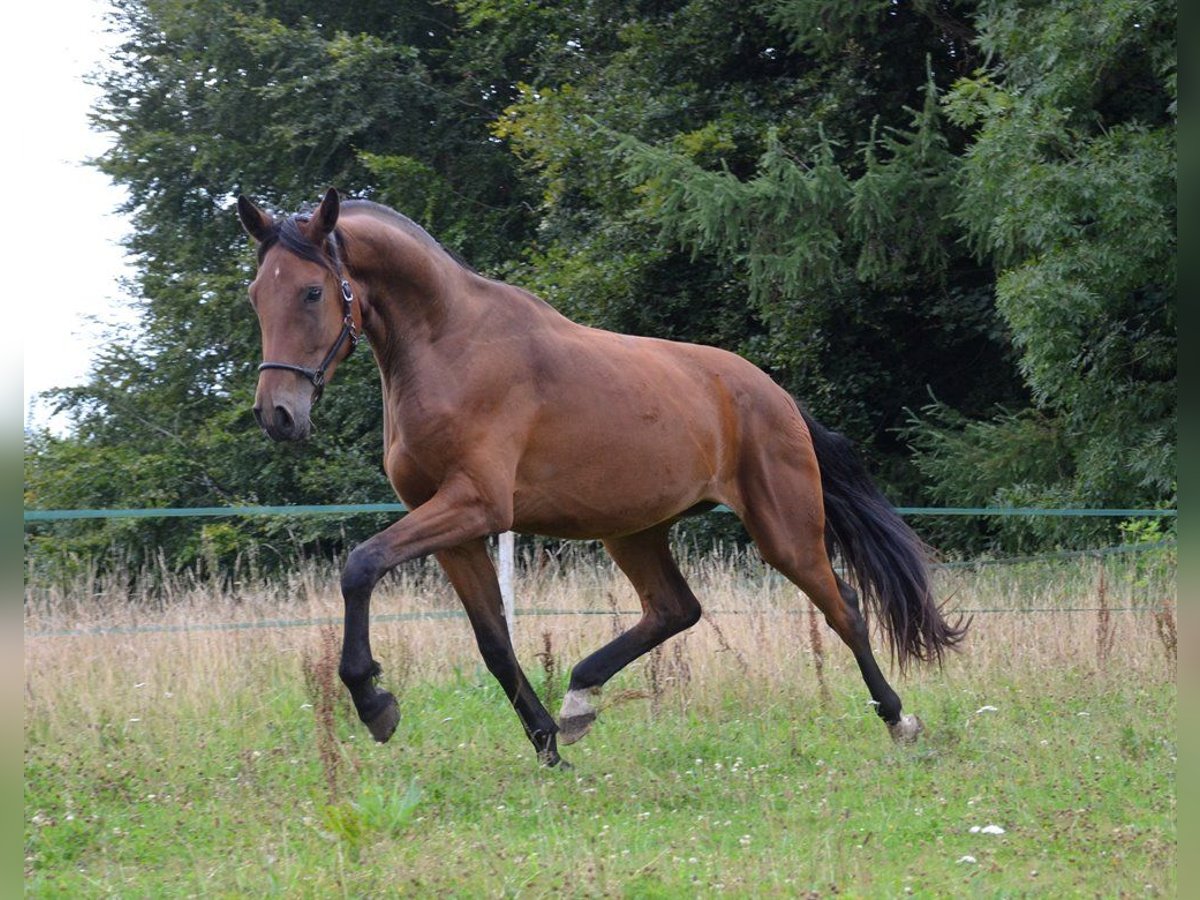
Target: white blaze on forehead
{"type": "Point", "coordinates": [277, 273]}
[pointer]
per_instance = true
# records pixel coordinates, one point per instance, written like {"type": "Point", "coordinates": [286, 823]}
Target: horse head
{"type": "Point", "coordinates": [305, 305]}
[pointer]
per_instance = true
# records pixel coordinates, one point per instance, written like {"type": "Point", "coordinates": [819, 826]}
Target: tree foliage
{"type": "Point", "coordinates": [948, 227]}
{"type": "Point", "coordinates": [1068, 188]}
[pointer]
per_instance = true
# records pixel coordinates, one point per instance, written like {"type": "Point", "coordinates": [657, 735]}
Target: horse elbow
{"type": "Point", "coordinates": [496, 514]}
{"type": "Point", "coordinates": [500, 522]}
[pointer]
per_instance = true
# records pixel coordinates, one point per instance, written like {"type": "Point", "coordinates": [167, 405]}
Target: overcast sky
{"type": "Point", "coordinates": [67, 285]}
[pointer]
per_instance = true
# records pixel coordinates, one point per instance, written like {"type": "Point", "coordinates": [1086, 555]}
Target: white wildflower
{"type": "Point", "coordinates": [987, 829]}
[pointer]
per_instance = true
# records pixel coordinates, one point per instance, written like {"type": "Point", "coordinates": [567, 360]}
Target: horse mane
{"type": "Point", "coordinates": [405, 224]}
{"type": "Point", "coordinates": [288, 234]}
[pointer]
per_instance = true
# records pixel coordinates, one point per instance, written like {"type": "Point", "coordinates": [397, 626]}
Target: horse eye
{"type": "Point", "coordinates": [313, 295]}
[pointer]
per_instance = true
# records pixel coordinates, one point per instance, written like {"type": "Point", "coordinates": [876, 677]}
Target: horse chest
{"type": "Point", "coordinates": [420, 456]}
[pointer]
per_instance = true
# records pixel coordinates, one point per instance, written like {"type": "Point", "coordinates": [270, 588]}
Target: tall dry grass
{"type": "Point", "coordinates": [104, 644]}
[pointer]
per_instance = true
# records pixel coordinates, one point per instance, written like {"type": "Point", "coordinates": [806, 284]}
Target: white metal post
{"type": "Point", "coordinates": [507, 565]}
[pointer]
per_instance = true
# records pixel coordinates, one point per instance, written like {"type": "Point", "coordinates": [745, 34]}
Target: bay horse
{"type": "Point", "coordinates": [501, 414]}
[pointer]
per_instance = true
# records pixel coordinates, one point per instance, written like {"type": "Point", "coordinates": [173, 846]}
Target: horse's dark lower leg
{"type": "Point", "coordinates": [446, 520]}
{"type": "Point", "coordinates": [803, 559]}
{"type": "Point", "coordinates": [668, 607]}
{"type": "Point", "coordinates": [887, 702]}
{"type": "Point", "coordinates": [358, 669]}
{"type": "Point", "coordinates": [839, 603]}
{"type": "Point", "coordinates": [474, 578]}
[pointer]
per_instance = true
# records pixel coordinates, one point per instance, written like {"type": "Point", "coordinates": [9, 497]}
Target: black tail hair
{"type": "Point", "coordinates": [885, 559]}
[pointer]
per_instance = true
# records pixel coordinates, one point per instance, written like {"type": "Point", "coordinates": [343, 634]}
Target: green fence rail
{"type": "Point", "coordinates": [60, 515]}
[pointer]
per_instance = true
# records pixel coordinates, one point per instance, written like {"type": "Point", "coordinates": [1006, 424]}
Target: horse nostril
{"type": "Point", "coordinates": [258, 415]}
{"type": "Point", "coordinates": [283, 419]}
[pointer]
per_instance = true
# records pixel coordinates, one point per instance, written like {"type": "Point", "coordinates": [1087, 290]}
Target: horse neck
{"type": "Point", "coordinates": [414, 290]}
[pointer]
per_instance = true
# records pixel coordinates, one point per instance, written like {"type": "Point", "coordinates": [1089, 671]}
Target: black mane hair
{"type": "Point", "coordinates": [292, 238]}
{"type": "Point", "coordinates": [289, 235]}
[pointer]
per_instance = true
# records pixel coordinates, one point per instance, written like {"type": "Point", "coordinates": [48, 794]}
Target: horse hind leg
{"type": "Point", "coordinates": [801, 556]}
{"type": "Point", "coordinates": [668, 607]}
{"type": "Point", "coordinates": [903, 728]}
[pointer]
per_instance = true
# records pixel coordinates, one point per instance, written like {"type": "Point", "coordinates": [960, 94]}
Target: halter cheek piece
{"type": "Point", "coordinates": [349, 333]}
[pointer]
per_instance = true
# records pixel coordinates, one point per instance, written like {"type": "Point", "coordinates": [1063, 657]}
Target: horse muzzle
{"type": "Point", "coordinates": [282, 424]}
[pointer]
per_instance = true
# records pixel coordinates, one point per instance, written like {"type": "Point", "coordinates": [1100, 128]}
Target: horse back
{"type": "Point", "coordinates": [643, 428]}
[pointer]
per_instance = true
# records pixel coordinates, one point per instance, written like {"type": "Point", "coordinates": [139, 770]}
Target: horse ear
{"type": "Point", "coordinates": [325, 218]}
{"type": "Point", "coordinates": [258, 224]}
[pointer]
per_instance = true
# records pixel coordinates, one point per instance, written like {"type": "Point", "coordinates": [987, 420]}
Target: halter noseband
{"type": "Point", "coordinates": [349, 333]}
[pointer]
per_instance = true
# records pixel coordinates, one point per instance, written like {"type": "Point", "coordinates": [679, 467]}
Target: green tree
{"type": "Point", "coordinates": [875, 201]}
{"type": "Point", "coordinates": [206, 100]}
{"type": "Point", "coordinates": [1068, 188]}
{"type": "Point", "coordinates": [716, 173]}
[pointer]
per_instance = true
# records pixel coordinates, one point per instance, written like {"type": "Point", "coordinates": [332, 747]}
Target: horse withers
{"type": "Point", "coordinates": [501, 414]}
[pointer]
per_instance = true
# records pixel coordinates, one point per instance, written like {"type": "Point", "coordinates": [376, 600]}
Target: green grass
{"type": "Point", "coordinates": [150, 773]}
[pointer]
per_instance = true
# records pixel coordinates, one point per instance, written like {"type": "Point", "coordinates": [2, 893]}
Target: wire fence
{"type": "Point", "coordinates": [59, 515]}
{"type": "Point", "coordinates": [431, 615]}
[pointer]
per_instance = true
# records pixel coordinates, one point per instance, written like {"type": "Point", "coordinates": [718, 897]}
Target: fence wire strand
{"type": "Point", "coordinates": [1098, 553]}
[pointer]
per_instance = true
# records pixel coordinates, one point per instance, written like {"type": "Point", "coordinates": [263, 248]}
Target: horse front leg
{"type": "Point", "coordinates": [451, 517]}
{"type": "Point", "coordinates": [471, 572]}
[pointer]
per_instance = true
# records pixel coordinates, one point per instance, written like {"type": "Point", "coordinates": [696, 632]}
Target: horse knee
{"type": "Point", "coordinates": [361, 572]}
{"type": "Point", "coordinates": [688, 616]}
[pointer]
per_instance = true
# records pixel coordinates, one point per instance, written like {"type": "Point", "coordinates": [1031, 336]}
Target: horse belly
{"type": "Point", "coordinates": [581, 518]}
{"type": "Point", "coordinates": [606, 475]}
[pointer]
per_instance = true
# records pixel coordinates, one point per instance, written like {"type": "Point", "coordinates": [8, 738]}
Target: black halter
{"type": "Point", "coordinates": [349, 333]}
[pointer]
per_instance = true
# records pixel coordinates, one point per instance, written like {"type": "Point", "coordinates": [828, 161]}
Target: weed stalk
{"type": "Point", "coordinates": [1105, 632]}
{"type": "Point", "coordinates": [818, 652]}
{"type": "Point", "coordinates": [320, 683]}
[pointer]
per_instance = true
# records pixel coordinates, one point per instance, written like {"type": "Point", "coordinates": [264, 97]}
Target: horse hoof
{"type": "Point", "coordinates": [574, 728]}
{"type": "Point", "coordinates": [577, 714]}
{"type": "Point", "coordinates": [384, 724]}
{"type": "Point", "coordinates": [906, 729]}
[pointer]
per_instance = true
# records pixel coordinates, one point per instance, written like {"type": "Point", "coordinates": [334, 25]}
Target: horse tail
{"type": "Point", "coordinates": [883, 556]}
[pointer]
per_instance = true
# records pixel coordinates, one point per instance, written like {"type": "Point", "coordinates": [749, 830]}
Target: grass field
{"type": "Point", "coordinates": [741, 759]}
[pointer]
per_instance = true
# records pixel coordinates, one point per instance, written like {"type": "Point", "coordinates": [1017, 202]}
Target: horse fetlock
{"type": "Point", "coordinates": [577, 714]}
{"type": "Point", "coordinates": [545, 745]}
{"type": "Point", "coordinates": [550, 759]}
{"type": "Point", "coordinates": [355, 676]}
{"type": "Point", "coordinates": [906, 729]}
